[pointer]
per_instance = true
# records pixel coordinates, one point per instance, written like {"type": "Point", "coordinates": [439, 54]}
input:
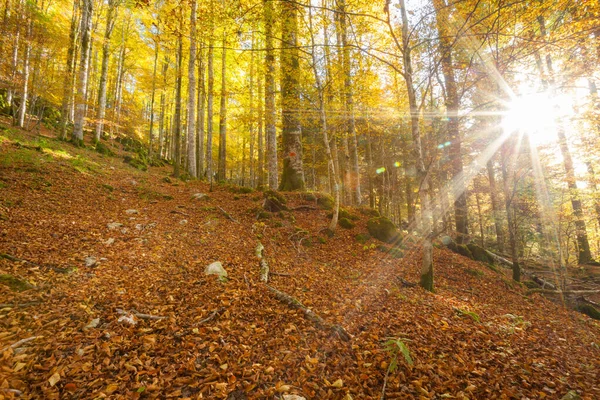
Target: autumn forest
{"type": "Point", "coordinates": [416, 154]}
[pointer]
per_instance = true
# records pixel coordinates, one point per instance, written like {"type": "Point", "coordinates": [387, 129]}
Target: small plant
{"type": "Point", "coordinates": [471, 314]}
{"type": "Point", "coordinates": [395, 346]}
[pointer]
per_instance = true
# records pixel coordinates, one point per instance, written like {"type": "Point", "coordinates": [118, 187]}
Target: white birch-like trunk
{"type": "Point", "coordinates": [86, 28]}
{"type": "Point", "coordinates": [191, 105]}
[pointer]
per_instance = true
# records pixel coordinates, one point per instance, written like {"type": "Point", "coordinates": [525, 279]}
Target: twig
{"type": "Point", "coordinates": [180, 212]}
{"type": "Point", "coordinates": [27, 262]}
{"type": "Point", "coordinates": [279, 273]}
{"type": "Point", "coordinates": [387, 373]}
{"type": "Point", "coordinates": [212, 315]}
{"type": "Point", "coordinates": [139, 315]}
{"type": "Point", "coordinates": [13, 391]}
{"type": "Point", "coordinates": [228, 215]}
{"type": "Point", "coordinates": [406, 283]}
{"type": "Point", "coordinates": [20, 342]}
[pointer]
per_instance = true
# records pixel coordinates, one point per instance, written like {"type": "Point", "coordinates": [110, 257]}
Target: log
{"type": "Point", "coordinates": [264, 266]}
{"type": "Point", "coordinates": [565, 292]}
{"type": "Point", "coordinates": [500, 260]}
{"type": "Point", "coordinates": [228, 215]}
{"type": "Point", "coordinates": [543, 283]}
{"type": "Point", "coordinates": [309, 314]}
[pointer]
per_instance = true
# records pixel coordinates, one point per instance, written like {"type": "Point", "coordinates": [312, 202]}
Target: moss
{"type": "Point", "coordinates": [325, 201]}
{"type": "Point", "coordinates": [264, 215]}
{"type": "Point", "coordinates": [135, 163]}
{"type": "Point", "coordinates": [343, 213]}
{"type": "Point", "coordinates": [426, 281]}
{"type": "Point", "coordinates": [362, 238]}
{"type": "Point", "coordinates": [383, 229]}
{"type": "Point", "coordinates": [391, 251]}
{"type": "Point", "coordinates": [478, 253]}
{"type": "Point", "coordinates": [463, 250]}
{"type": "Point", "coordinates": [166, 179]}
{"type": "Point", "coordinates": [14, 283]}
{"type": "Point", "coordinates": [346, 223]}
{"type": "Point", "coordinates": [321, 240]}
{"type": "Point", "coordinates": [589, 310]}
{"type": "Point", "coordinates": [531, 285]}
{"type": "Point", "coordinates": [369, 212]}
{"type": "Point", "coordinates": [308, 196]}
{"type": "Point", "coordinates": [307, 242]}
{"type": "Point", "coordinates": [274, 201]}
{"type": "Point", "coordinates": [104, 149]}
{"type": "Point", "coordinates": [474, 272]}
{"type": "Point", "coordinates": [108, 187]}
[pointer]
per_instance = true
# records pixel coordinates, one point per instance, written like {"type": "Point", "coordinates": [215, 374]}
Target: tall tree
{"type": "Point", "coordinates": [270, 131]}
{"type": "Point", "coordinates": [191, 105]}
{"type": "Point", "coordinates": [223, 114]}
{"type": "Point", "coordinates": [292, 176]}
{"type": "Point", "coordinates": [111, 17]}
{"type": "Point", "coordinates": [86, 33]}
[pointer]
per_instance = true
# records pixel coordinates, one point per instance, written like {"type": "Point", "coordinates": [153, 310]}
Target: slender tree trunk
{"type": "Point", "coordinates": [507, 151]}
{"type": "Point", "coordinates": [495, 205]}
{"type": "Point", "coordinates": [162, 108]}
{"type": "Point", "coordinates": [191, 105]}
{"type": "Point", "coordinates": [15, 53]}
{"type": "Point", "coordinates": [271, 133]}
{"type": "Point", "coordinates": [71, 58]}
{"type": "Point", "coordinates": [252, 115]}
{"type": "Point", "coordinates": [25, 92]}
{"type": "Point", "coordinates": [209, 107]}
{"type": "Point", "coordinates": [200, 116]}
{"type": "Point", "coordinates": [260, 168]}
{"type": "Point", "coordinates": [177, 117]}
{"type": "Point", "coordinates": [86, 30]}
{"type": "Point", "coordinates": [452, 103]}
{"type": "Point", "coordinates": [223, 115]}
{"type": "Point", "coordinates": [110, 23]}
{"type": "Point", "coordinates": [152, 96]}
{"type": "Point", "coordinates": [354, 180]}
{"type": "Point", "coordinates": [292, 176]}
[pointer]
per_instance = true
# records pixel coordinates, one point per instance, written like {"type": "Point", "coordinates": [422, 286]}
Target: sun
{"type": "Point", "coordinates": [535, 115]}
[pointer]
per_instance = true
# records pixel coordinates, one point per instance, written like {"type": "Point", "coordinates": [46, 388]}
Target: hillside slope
{"type": "Point", "coordinates": [479, 336]}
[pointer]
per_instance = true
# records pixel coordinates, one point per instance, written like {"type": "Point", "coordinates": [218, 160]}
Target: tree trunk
{"type": "Point", "coordinates": [223, 115]}
{"type": "Point", "coordinates": [110, 23]}
{"type": "Point", "coordinates": [191, 102]}
{"type": "Point", "coordinates": [495, 205]}
{"type": "Point", "coordinates": [71, 58]}
{"type": "Point", "coordinates": [251, 117]}
{"type": "Point", "coordinates": [292, 176]}
{"type": "Point", "coordinates": [86, 30]}
{"type": "Point", "coordinates": [260, 168]}
{"type": "Point", "coordinates": [354, 180]}
{"type": "Point", "coordinates": [209, 104]}
{"type": "Point", "coordinates": [507, 170]}
{"type": "Point", "coordinates": [200, 116]}
{"type": "Point", "coordinates": [177, 117]}
{"type": "Point", "coordinates": [270, 131]}
{"type": "Point", "coordinates": [26, 57]}
{"type": "Point", "coordinates": [162, 108]}
{"type": "Point", "coordinates": [452, 103]}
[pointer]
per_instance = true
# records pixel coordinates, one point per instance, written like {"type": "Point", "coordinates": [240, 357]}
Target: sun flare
{"type": "Point", "coordinates": [536, 115]}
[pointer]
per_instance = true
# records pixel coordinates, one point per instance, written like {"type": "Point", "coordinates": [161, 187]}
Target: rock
{"type": "Point", "coordinates": [114, 225]}
{"type": "Point", "coordinates": [128, 319]}
{"type": "Point", "coordinates": [93, 323]}
{"type": "Point", "coordinates": [131, 211]}
{"type": "Point", "coordinates": [215, 268]}
{"type": "Point", "coordinates": [183, 222]}
{"type": "Point", "coordinates": [479, 253]}
{"type": "Point", "coordinates": [109, 241]}
{"type": "Point", "coordinates": [90, 261]}
{"type": "Point", "coordinates": [346, 223]}
{"type": "Point", "coordinates": [200, 196]}
{"type": "Point", "coordinates": [383, 229]}
{"type": "Point", "coordinates": [293, 397]}
{"type": "Point", "coordinates": [274, 202]}
{"type": "Point", "coordinates": [139, 227]}
{"type": "Point", "coordinates": [571, 395]}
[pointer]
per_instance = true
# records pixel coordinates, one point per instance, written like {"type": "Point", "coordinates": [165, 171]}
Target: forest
{"type": "Point", "coordinates": [385, 172]}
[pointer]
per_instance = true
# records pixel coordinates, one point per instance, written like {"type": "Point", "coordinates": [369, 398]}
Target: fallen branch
{"type": "Point", "coordinates": [309, 314]}
{"type": "Point", "coordinates": [500, 260]}
{"type": "Point", "coordinates": [264, 266]}
{"type": "Point", "coordinates": [406, 283]}
{"type": "Point", "coordinates": [180, 212]}
{"type": "Point", "coordinates": [588, 301]}
{"type": "Point", "coordinates": [212, 316]}
{"type": "Point", "coordinates": [16, 392]}
{"type": "Point", "coordinates": [228, 215]}
{"type": "Point", "coordinates": [565, 292]}
{"type": "Point", "coordinates": [19, 343]}
{"type": "Point", "coordinates": [27, 262]}
{"type": "Point", "coordinates": [303, 207]}
{"type": "Point", "coordinates": [139, 315]}
{"type": "Point", "coordinates": [20, 305]}
{"type": "Point", "coordinates": [543, 283]}
{"type": "Point", "coordinates": [279, 273]}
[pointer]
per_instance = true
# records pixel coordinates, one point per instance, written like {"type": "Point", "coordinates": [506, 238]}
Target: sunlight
{"type": "Point", "coordinates": [535, 115]}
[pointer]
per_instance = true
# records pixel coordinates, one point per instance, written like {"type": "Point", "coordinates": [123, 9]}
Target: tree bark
{"type": "Point", "coordinates": [110, 24]}
{"type": "Point", "coordinates": [270, 131]}
{"type": "Point", "coordinates": [191, 105]}
{"type": "Point", "coordinates": [223, 115]}
{"type": "Point", "coordinates": [71, 59]}
{"type": "Point", "coordinates": [209, 103]}
{"type": "Point", "coordinates": [86, 28]}
{"type": "Point", "coordinates": [292, 176]}
{"type": "Point", "coordinates": [495, 205]}
{"type": "Point", "coordinates": [177, 116]}
{"type": "Point", "coordinates": [200, 116]}
{"type": "Point", "coordinates": [26, 60]}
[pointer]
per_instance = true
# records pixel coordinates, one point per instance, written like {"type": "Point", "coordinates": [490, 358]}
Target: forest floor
{"type": "Point", "coordinates": [146, 322]}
